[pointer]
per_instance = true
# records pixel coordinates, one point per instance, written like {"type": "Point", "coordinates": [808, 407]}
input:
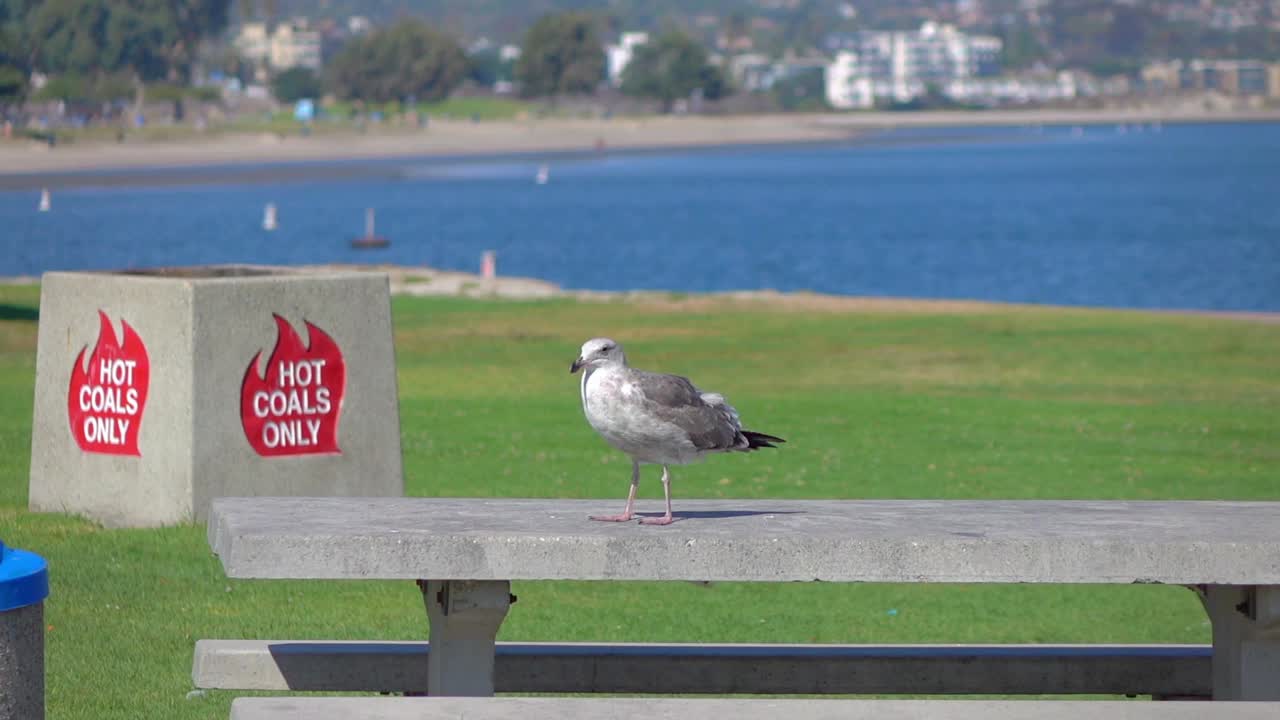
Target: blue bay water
{"type": "Point", "coordinates": [1188, 217]}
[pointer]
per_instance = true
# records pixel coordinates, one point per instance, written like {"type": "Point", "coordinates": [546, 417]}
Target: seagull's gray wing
{"type": "Point", "coordinates": [673, 399]}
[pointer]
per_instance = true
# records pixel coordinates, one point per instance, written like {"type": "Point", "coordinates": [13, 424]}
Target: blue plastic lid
{"type": "Point", "coordinates": [24, 578]}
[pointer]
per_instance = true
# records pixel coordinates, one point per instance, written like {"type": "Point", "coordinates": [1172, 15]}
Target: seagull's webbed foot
{"type": "Point", "coordinates": [621, 517]}
{"type": "Point", "coordinates": [664, 520]}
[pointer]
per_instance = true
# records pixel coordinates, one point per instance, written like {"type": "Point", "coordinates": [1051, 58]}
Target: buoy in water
{"type": "Point", "coordinates": [370, 239]}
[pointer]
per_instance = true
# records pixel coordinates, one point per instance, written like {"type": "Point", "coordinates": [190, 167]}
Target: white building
{"type": "Point", "coordinates": [750, 71]}
{"type": "Point", "coordinates": [619, 56]}
{"type": "Point", "coordinates": [295, 45]}
{"type": "Point", "coordinates": [899, 66]}
{"type": "Point", "coordinates": [253, 42]}
{"type": "Point", "coordinates": [1014, 90]}
{"type": "Point", "coordinates": [848, 85]}
{"type": "Point", "coordinates": [357, 24]}
{"type": "Point", "coordinates": [509, 53]}
{"type": "Point", "coordinates": [755, 72]}
{"type": "Point", "coordinates": [290, 44]}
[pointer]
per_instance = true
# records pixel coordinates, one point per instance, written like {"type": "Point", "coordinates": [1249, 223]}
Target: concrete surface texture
{"type": "Point", "coordinates": [1177, 542]}
{"type": "Point", "coordinates": [445, 708]}
{"type": "Point", "coordinates": [201, 327]}
{"type": "Point", "coordinates": [22, 663]}
{"type": "Point", "coordinates": [769, 669]}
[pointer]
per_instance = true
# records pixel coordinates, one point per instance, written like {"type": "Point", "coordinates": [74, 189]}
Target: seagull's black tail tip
{"type": "Point", "coordinates": [756, 440]}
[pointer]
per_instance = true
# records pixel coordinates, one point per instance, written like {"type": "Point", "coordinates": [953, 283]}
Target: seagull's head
{"type": "Point", "coordinates": [598, 352]}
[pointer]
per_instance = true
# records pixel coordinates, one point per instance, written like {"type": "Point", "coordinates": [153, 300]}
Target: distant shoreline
{"type": "Point", "coordinates": [27, 164]}
{"type": "Point", "coordinates": [430, 282]}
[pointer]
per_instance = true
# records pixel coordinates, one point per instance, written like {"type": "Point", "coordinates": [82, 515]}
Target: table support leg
{"type": "Point", "coordinates": [1246, 640]}
{"type": "Point", "coordinates": [465, 616]}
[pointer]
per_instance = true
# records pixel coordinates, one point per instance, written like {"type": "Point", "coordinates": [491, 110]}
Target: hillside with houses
{"type": "Point", "coordinates": [301, 60]}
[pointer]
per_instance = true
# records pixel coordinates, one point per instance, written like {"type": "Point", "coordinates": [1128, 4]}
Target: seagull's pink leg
{"type": "Point", "coordinates": [666, 491]}
{"type": "Point", "coordinates": [627, 512]}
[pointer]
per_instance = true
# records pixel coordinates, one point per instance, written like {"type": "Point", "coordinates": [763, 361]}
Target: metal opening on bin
{"type": "Point", "coordinates": [208, 271]}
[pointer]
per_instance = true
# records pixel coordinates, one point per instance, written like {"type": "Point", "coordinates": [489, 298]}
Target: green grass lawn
{"type": "Point", "coordinates": [1000, 403]}
{"type": "Point", "coordinates": [336, 120]}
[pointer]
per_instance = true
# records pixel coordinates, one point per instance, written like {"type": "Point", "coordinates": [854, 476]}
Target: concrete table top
{"type": "Point", "coordinates": [941, 541]}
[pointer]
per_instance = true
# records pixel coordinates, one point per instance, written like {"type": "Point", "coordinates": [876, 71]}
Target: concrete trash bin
{"type": "Point", "coordinates": [24, 584]}
{"type": "Point", "coordinates": [159, 390]}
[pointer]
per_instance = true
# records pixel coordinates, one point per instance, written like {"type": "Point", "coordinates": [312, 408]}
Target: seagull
{"type": "Point", "coordinates": [656, 419]}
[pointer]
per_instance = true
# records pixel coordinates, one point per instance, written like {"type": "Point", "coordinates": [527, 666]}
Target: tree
{"type": "Point", "coordinates": [13, 85]}
{"type": "Point", "coordinates": [804, 91]}
{"type": "Point", "coordinates": [486, 67]}
{"type": "Point", "coordinates": [248, 11]}
{"type": "Point", "coordinates": [68, 86]}
{"type": "Point", "coordinates": [1020, 48]}
{"type": "Point", "coordinates": [228, 61]}
{"type": "Point", "coordinates": [804, 27]}
{"type": "Point", "coordinates": [672, 67]}
{"type": "Point", "coordinates": [407, 60]}
{"type": "Point", "coordinates": [562, 54]}
{"type": "Point", "coordinates": [192, 22]}
{"type": "Point", "coordinates": [15, 46]}
{"type": "Point", "coordinates": [136, 41]}
{"type": "Point", "coordinates": [737, 28]}
{"type": "Point", "coordinates": [296, 84]}
{"type": "Point", "coordinates": [14, 57]}
{"type": "Point", "coordinates": [67, 35]}
{"type": "Point", "coordinates": [153, 39]}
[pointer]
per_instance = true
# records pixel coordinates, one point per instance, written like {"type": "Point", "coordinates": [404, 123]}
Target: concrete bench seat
{"type": "Point", "coordinates": [1180, 671]}
{"type": "Point", "coordinates": [504, 708]}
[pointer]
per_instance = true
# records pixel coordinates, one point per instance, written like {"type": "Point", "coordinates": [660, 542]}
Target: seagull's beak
{"type": "Point", "coordinates": [576, 366]}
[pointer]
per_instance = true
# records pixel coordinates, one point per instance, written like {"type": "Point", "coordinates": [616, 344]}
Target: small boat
{"type": "Point", "coordinates": [45, 201]}
{"type": "Point", "coordinates": [544, 174]}
{"type": "Point", "coordinates": [269, 217]}
{"type": "Point", "coordinates": [370, 239]}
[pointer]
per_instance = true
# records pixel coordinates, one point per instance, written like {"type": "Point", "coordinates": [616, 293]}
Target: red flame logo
{"type": "Point", "coordinates": [293, 409]}
{"type": "Point", "coordinates": [108, 394]}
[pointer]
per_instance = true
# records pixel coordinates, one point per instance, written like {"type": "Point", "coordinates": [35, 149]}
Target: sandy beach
{"type": "Point", "coordinates": [24, 161]}
{"type": "Point", "coordinates": [440, 138]}
{"type": "Point", "coordinates": [424, 281]}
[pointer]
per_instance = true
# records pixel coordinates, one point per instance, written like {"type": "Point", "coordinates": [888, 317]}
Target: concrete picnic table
{"type": "Point", "coordinates": [464, 552]}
